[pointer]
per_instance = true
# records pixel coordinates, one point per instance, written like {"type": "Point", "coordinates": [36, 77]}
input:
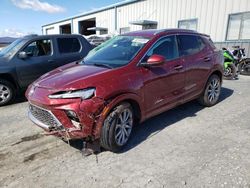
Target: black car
{"type": "Point", "coordinates": [27, 58]}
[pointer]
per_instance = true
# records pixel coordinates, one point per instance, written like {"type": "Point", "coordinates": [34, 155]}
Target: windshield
{"type": "Point", "coordinates": [12, 48]}
{"type": "Point", "coordinates": [116, 52]}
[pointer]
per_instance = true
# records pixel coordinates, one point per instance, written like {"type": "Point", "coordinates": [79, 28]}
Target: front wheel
{"type": "Point", "coordinates": [230, 72]}
{"type": "Point", "coordinates": [7, 92]}
{"type": "Point", "coordinates": [211, 93]}
{"type": "Point", "coordinates": [117, 127]}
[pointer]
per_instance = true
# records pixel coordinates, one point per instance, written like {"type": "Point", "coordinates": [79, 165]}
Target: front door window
{"type": "Point", "coordinates": [38, 48]}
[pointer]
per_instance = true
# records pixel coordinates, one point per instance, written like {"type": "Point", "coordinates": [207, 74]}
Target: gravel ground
{"type": "Point", "coordinates": [189, 146]}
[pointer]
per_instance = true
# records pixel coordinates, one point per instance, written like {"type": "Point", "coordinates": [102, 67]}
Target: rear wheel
{"type": "Point", "coordinates": [7, 92]}
{"type": "Point", "coordinates": [211, 93]}
{"type": "Point", "coordinates": [117, 128]}
{"type": "Point", "coordinates": [244, 67]}
{"type": "Point", "coordinates": [230, 72]}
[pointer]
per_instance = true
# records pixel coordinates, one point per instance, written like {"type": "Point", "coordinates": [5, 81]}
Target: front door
{"type": "Point", "coordinates": [38, 62]}
{"type": "Point", "coordinates": [164, 84]}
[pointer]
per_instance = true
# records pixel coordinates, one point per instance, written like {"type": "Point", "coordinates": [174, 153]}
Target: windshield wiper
{"type": "Point", "coordinates": [103, 65]}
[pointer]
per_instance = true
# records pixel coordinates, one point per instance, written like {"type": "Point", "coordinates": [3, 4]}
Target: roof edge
{"type": "Point", "coordinates": [126, 2]}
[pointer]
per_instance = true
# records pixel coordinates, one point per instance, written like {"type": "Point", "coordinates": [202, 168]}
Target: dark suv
{"type": "Point", "coordinates": [27, 58]}
{"type": "Point", "coordinates": [124, 81]}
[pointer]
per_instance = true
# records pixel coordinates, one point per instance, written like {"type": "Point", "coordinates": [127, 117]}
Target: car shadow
{"type": "Point", "coordinates": [19, 99]}
{"type": "Point", "coordinates": [154, 125]}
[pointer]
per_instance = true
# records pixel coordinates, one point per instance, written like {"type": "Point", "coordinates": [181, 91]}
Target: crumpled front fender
{"type": "Point", "coordinates": [110, 104]}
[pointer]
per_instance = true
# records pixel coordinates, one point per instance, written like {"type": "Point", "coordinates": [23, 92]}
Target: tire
{"type": "Point", "coordinates": [230, 72]}
{"type": "Point", "coordinates": [243, 67]}
{"type": "Point", "coordinates": [115, 133]}
{"type": "Point", "coordinates": [211, 92]}
{"type": "Point", "coordinates": [7, 92]}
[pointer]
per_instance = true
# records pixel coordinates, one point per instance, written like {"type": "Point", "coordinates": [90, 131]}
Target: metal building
{"type": "Point", "coordinates": [226, 21]}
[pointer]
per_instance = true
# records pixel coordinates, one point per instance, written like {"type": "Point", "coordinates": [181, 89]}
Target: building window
{"type": "Point", "coordinates": [124, 30]}
{"type": "Point", "coordinates": [188, 24]}
{"type": "Point", "coordinates": [238, 27]}
{"type": "Point", "coordinates": [103, 32]}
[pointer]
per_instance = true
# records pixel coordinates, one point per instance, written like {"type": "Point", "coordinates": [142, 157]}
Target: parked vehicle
{"type": "Point", "coordinates": [230, 69]}
{"type": "Point", "coordinates": [235, 62]}
{"type": "Point", "coordinates": [27, 58]}
{"type": "Point", "coordinates": [242, 62]}
{"type": "Point", "coordinates": [96, 40]}
{"type": "Point", "coordinates": [124, 81]}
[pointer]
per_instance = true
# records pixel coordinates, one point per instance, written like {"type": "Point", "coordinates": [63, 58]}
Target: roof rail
{"type": "Point", "coordinates": [175, 29]}
{"type": "Point", "coordinates": [31, 35]}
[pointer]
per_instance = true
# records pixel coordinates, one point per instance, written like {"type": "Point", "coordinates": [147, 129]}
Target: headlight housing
{"type": "Point", "coordinates": [83, 94]}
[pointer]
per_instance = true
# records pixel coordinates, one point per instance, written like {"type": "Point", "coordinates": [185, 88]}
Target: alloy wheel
{"type": "Point", "coordinates": [4, 93]}
{"type": "Point", "coordinates": [123, 127]}
{"type": "Point", "coordinates": [213, 90]}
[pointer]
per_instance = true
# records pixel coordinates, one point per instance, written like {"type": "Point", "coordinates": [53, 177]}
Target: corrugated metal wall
{"type": "Point", "coordinates": [212, 15]}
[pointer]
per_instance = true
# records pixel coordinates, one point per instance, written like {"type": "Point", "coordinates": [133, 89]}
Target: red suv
{"type": "Point", "coordinates": [125, 81]}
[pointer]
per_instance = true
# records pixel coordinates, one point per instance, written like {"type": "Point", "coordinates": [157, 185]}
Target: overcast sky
{"type": "Point", "coordinates": [21, 17]}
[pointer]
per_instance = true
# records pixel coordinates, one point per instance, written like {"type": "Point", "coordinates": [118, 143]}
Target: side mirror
{"type": "Point", "coordinates": [22, 55]}
{"type": "Point", "coordinates": [154, 60]}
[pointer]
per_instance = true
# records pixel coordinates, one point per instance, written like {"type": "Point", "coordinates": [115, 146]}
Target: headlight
{"type": "Point", "coordinates": [84, 94]}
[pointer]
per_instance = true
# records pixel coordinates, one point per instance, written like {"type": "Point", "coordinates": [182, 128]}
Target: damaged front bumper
{"type": "Point", "coordinates": [44, 118]}
{"type": "Point", "coordinates": [70, 119]}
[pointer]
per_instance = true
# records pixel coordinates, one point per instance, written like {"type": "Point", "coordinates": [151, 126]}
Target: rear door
{"type": "Point", "coordinates": [39, 60]}
{"type": "Point", "coordinates": [163, 85]}
{"type": "Point", "coordinates": [197, 57]}
{"type": "Point", "coordinates": [68, 49]}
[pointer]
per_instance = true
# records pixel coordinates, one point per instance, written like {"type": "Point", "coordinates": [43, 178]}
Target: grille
{"type": "Point", "coordinates": [44, 116]}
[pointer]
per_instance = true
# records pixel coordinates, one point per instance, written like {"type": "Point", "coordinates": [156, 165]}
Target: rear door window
{"type": "Point", "coordinates": [190, 44]}
{"type": "Point", "coordinates": [68, 45]}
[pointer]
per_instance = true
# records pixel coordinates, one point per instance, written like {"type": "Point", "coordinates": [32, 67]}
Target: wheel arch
{"type": "Point", "coordinates": [218, 73]}
{"type": "Point", "coordinates": [131, 98]}
{"type": "Point", "coordinates": [136, 108]}
{"type": "Point", "coordinates": [9, 77]}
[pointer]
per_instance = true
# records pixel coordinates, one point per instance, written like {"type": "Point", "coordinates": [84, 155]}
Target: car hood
{"type": "Point", "coordinates": [71, 76]}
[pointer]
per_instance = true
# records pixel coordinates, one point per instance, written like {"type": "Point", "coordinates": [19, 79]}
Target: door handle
{"type": "Point", "coordinates": [178, 67]}
{"type": "Point", "coordinates": [206, 59]}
